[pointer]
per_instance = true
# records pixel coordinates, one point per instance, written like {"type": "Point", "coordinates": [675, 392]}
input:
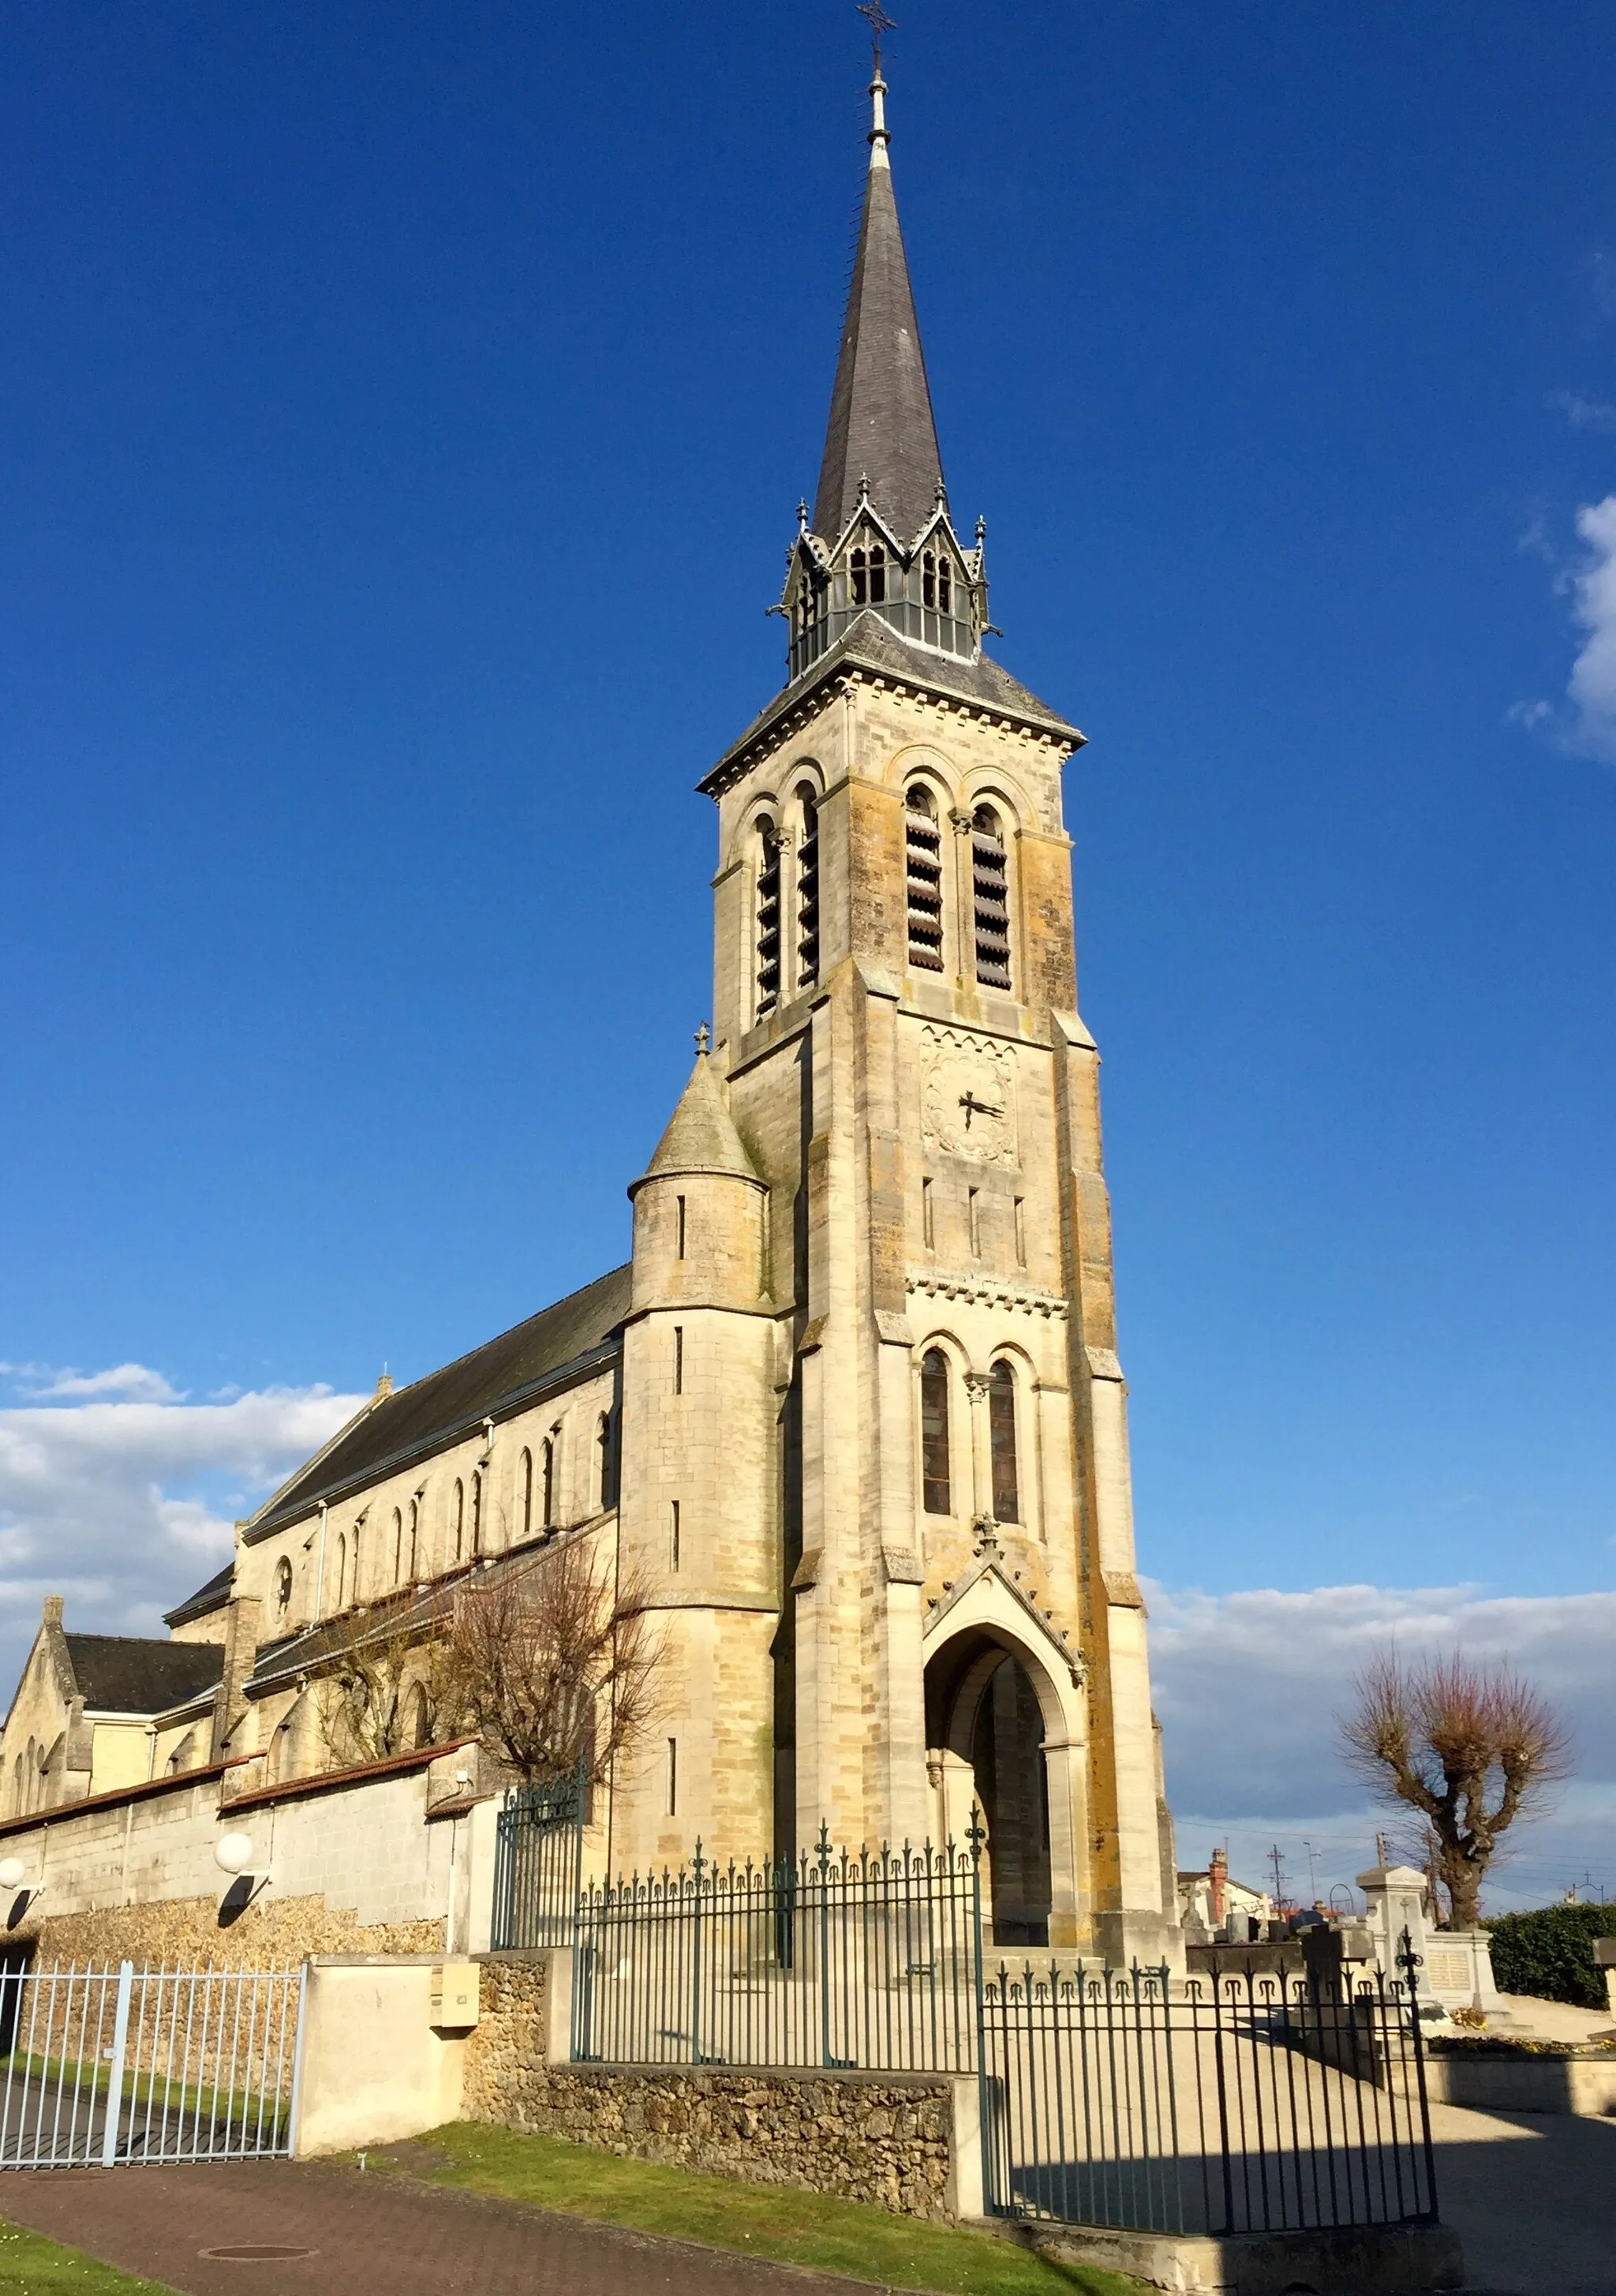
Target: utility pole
{"type": "Point", "coordinates": [1280, 1878]}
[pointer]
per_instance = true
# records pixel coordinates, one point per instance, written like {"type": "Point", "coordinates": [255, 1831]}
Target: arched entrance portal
{"type": "Point", "coordinates": [985, 1730]}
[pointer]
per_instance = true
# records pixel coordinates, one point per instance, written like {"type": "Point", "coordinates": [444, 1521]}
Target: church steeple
{"type": "Point", "coordinates": [881, 432]}
{"type": "Point", "coordinates": [882, 541]}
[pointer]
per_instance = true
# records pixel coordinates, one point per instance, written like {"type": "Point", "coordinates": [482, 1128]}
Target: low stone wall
{"type": "Point", "coordinates": [900, 2140]}
{"type": "Point", "coordinates": [1534, 2081]}
{"type": "Point", "coordinates": [883, 2138]}
{"type": "Point", "coordinates": [276, 1933]}
{"type": "Point", "coordinates": [510, 2044]}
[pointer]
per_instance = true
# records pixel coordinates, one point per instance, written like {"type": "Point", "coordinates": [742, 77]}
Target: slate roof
{"type": "Point", "coordinates": [213, 1596]}
{"type": "Point", "coordinates": [125, 1674]}
{"type": "Point", "coordinates": [493, 1379]}
{"type": "Point", "coordinates": [881, 424]}
{"type": "Point", "coordinates": [871, 642]}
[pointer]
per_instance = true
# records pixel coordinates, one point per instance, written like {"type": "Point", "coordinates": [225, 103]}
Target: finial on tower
{"type": "Point", "coordinates": [703, 1039]}
{"type": "Point", "coordinates": [879, 21]}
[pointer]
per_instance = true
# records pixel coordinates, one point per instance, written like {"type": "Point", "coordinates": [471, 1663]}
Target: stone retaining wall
{"type": "Point", "coordinates": [276, 1933]}
{"type": "Point", "coordinates": [890, 2138]}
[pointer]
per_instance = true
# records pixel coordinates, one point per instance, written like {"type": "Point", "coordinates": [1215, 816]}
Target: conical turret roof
{"type": "Point", "coordinates": [881, 429]}
{"type": "Point", "coordinates": [701, 1135]}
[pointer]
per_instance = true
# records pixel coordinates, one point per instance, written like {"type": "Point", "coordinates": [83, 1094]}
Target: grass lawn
{"type": "Point", "coordinates": [772, 2220]}
{"type": "Point", "coordinates": [32, 2266]}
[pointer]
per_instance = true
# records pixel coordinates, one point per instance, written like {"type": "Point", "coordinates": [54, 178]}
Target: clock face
{"type": "Point", "coordinates": [969, 1103]}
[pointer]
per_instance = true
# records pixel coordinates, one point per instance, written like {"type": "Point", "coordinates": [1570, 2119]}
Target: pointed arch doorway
{"type": "Point", "coordinates": [991, 1735]}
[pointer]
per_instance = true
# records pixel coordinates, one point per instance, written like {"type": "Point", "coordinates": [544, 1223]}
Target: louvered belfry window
{"type": "Point", "coordinates": [768, 918]}
{"type": "Point", "coordinates": [1001, 1443]}
{"type": "Point", "coordinates": [808, 889]}
{"type": "Point", "coordinates": [991, 892]}
{"type": "Point", "coordinates": [923, 861]}
{"type": "Point", "coordinates": [934, 1433]}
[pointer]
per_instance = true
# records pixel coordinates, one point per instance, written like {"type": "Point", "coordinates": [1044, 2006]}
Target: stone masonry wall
{"type": "Point", "coordinates": [881, 2137]}
{"type": "Point", "coordinates": [276, 1934]}
{"type": "Point", "coordinates": [354, 1868]}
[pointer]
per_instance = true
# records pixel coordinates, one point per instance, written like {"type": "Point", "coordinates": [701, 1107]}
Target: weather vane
{"type": "Point", "coordinates": [879, 21]}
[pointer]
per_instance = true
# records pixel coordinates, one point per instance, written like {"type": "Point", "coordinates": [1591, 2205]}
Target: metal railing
{"type": "Point", "coordinates": [830, 1959]}
{"type": "Point", "coordinates": [538, 1863]}
{"type": "Point", "coordinates": [1226, 2104]}
{"type": "Point", "coordinates": [107, 2066]}
{"type": "Point", "coordinates": [1229, 2105]}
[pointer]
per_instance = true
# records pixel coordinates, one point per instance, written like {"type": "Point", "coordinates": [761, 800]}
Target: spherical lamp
{"type": "Point", "coordinates": [232, 1852]}
{"type": "Point", "coordinates": [12, 1873]}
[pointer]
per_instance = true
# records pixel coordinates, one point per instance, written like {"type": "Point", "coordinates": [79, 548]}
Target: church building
{"type": "Point", "coordinates": [851, 1417]}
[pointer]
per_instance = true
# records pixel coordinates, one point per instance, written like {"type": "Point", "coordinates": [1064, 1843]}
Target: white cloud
{"type": "Point", "coordinates": [1587, 729]}
{"type": "Point", "coordinates": [134, 1382]}
{"type": "Point", "coordinates": [1592, 686]}
{"type": "Point", "coordinates": [1248, 1685]}
{"type": "Point", "coordinates": [1585, 413]}
{"type": "Point", "coordinates": [126, 1505]}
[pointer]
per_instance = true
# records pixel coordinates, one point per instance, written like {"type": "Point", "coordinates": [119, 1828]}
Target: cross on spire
{"type": "Point", "coordinates": [879, 21]}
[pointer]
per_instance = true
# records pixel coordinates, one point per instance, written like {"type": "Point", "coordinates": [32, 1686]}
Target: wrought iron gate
{"type": "Point", "coordinates": [1228, 2104]}
{"type": "Point", "coordinates": [104, 2065]}
{"type": "Point", "coordinates": [538, 1863]}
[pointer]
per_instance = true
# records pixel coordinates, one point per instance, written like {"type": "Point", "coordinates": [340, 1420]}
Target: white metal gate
{"type": "Point", "coordinates": [108, 2065]}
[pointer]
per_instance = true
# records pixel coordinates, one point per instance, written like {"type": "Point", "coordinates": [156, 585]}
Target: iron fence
{"type": "Point", "coordinates": [538, 1864]}
{"type": "Point", "coordinates": [830, 1959]}
{"type": "Point", "coordinates": [1229, 2105]}
{"type": "Point", "coordinates": [1226, 2104]}
{"type": "Point", "coordinates": [107, 2066]}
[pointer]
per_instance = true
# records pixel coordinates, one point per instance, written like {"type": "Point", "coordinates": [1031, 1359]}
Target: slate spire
{"type": "Point", "coordinates": [881, 428]}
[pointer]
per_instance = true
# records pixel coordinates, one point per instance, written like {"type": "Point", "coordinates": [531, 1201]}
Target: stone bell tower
{"type": "Point", "coordinates": [918, 1471]}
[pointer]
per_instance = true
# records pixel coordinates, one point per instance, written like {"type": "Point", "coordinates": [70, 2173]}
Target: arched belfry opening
{"type": "Point", "coordinates": [986, 1728]}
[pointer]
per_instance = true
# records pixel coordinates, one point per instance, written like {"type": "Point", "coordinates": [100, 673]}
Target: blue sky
{"type": "Point", "coordinates": [405, 410]}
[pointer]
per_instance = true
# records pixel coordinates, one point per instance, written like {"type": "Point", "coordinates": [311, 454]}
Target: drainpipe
{"type": "Point", "coordinates": [319, 1570]}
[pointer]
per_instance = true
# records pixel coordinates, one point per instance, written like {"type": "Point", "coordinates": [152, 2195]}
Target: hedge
{"type": "Point", "coordinates": [1550, 1953]}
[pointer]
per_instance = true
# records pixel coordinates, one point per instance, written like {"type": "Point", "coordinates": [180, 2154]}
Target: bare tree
{"type": "Point", "coordinates": [552, 1662]}
{"type": "Point", "coordinates": [384, 1684]}
{"type": "Point", "coordinates": [1469, 1747]}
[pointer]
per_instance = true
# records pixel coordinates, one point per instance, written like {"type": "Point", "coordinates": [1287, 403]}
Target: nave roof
{"type": "Point", "coordinates": [413, 1421]}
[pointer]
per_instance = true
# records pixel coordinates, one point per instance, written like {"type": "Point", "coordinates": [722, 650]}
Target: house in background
{"type": "Point", "coordinates": [1216, 1909]}
{"type": "Point", "coordinates": [95, 1712]}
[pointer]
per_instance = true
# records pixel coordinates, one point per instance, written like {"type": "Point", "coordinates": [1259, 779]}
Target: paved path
{"type": "Point", "coordinates": [1532, 2196]}
{"type": "Point", "coordinates": [376, 2236]}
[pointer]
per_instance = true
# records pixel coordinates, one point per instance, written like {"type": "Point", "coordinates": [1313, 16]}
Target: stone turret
{"type": "Point", "coordinates": [699, 1509]}
{"type": "Point", "coordinates": [699, 1208]}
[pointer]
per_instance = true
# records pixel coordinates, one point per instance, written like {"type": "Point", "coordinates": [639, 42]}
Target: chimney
{"type": "Point", "coordinates": [52, 1610]}
{"type": "Point", "coordinates": [1217, 1874]}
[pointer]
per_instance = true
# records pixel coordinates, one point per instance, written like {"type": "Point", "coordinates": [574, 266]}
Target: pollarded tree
{"type": "Point", "coordinates": [1469, 1747]}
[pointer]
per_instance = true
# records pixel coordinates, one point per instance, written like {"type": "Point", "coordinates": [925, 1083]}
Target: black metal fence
{"type": "Point", "coordinates": [828, 1960]}
{"type": "Point", "coordinates": [538, 1864]}
{"type": "Point", "coordinates": [1228, 2103]}
{"type": "Point", "coordinates": [1226, 2106]}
